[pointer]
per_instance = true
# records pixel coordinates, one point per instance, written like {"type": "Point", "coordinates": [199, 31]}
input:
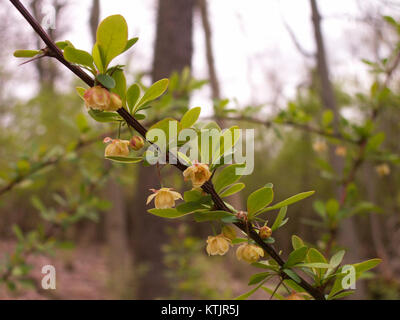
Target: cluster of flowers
{"type": "Point", "coordinates": [99, 98]}
{"type": "Point", "coordinates": [219, 245]}
{"type": "Point", "coordinates": [198, 174]}
{"type": "Point", "coordinates": [120, 148]}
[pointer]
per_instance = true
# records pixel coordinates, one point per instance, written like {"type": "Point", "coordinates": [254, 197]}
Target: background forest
{"type": "Point", "coordinates": [317, 80]}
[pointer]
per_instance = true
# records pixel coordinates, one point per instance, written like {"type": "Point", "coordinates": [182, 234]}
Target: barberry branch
{"type": "Point", "coordinates": [208, 187]}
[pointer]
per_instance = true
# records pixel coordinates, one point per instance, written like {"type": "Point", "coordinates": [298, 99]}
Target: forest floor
{"type": "Point", "coordinates": [82, 273]}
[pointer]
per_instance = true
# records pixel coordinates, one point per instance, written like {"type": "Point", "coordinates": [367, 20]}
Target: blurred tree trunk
{"type": "Point", "coordinates": [347, 232]}
{"type": "Point", "coordinates": [212, 73]}
{"type": "Point", "coordinates": [173, 52]}
{"type": "Point", "coordinates": [118, 253]}
{"type": "Point", "coordinates": [94, 18]}
{"type": "Point", "coordinates": [46, 67]}
{"type": "Point", "coordinates": [235, 200]}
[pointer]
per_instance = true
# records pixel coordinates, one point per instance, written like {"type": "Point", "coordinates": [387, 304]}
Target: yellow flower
{"type": "Point", "coordinates": [198, 173]}
{"type": "Point", "coordinates": [100, 98]}
{"type": "Point", "coordinates": [249, 253]}
{"type": "Point", "coordinates": [265, 232]}
{"type": "Point", "coordinates": [229, 232]}
{"type": "Point", "coordinates": [341, 151]}
{"type": "Point", "coordinates": [117, 148]}
{"type": "Point", "coordinates": [218, 245]}
{"type": "Point", "coordinates": [383, 170]}
{"type": "Point", "coordinates": [164, 198]}
{"type": "Point", "coordinates": [115, 102]}
{"type": "Point", "coordinates": [97, 98]}
{"type": "Point", "coordinates": [319, 146]}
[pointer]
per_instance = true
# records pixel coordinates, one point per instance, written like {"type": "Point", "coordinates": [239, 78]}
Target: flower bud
{"type": "Point", "coordinates": [241, 215]}
{"type": "Point", "coordinates": [218, 245]}
{"type": "Point", "coordinates": [229, 232]}
{"type": "Point", "coordinates": [97, 98]}
{"type": "Point", "coordinates": [198, 173]}
{"type": "Point", "coordinates": [117, 148]}
{"type": "Point", "coordinates": [265, 232]}
{"type": "Point", "coordinates": [136, 143]}
{"type": "Point", "coordinates": [249, 253]}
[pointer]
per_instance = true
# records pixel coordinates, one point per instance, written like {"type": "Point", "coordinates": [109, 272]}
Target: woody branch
{"type": "Point", "coordinates": [53, 51]}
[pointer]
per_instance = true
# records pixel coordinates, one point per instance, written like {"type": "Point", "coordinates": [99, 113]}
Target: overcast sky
{"type": "Point", "coordinates": [251, 43]}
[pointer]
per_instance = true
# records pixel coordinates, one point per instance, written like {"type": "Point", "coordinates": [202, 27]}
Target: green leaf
{"type": "Point", "coordinates": [192, 195]}
{"type": "Point", "coordinates": [130, 43]}
{"type": "Point", "coordinates": [341, 295]}
{"type": "Point", "coordinates": [292, 284]}
{"type": "Point", "coordinates": [227, 141]}
{"type": "Point", "coordinates": [106, 81]}
{"type": "Point", "coordinates": [337, 258]}
{"type": "Point", "coordinates": [297, 242]}
{"type": "Point", "coordinates": [390, 20]}
{"type": "Point", "coordinates": [184, 159]}
{"type": "Point", "coordinates": [316, 265]}
{"type": "Point", "coordinates": [156, 90]}
{"type": "Point", "coordinates": [132, 96]}
{"type": "Point", "coordinates": [165, 125]}
{"type": "Point", "coordinates": [190, 117]}
{"type": "Point", "coordinates": [279, 219]}
{"type": "Point", "coordinates": [81, 91]}
{"type": "Point", "coordinates": [26, 53]}
{"type": "Point", "coordinates": [120, 85]}
{"type": "Point", "coordinates": [261, 265]}
{"type": "Point", "coordinates": [102, 116]}
{"type": "Point", "coordinates": [227, 176]}
{"type": "Point", "coordinates": [63, 44]}
{"type": "Point", "coordinates": [212, 215]}
{"type": "Point", "coordinates": [314, 256]}
{"type": "Point", "coordinates": [240, 240]}
{"type": "Point", "coordinates": [81, 122]}
{"type": "Point", "coordinates": [290, 201]}
{"type": "Point", "coordinates": [232, 189]}
{"type": "Point", "coordinates": [258, 200]}
{"type": "Point", "coordinates": [249, 293]}
{"type": "Point", "coordinates": [125, 159]}
{"type": "Point", "coordinates": [167, 213]}
{"type": "Point", "coordinates": [98, 58]}
{"type": "Point", "coordinates": [332, 208]}
{"type": "Point", "coordinates": [292, 275]}
{"type": "Point", "coordinates": [139, 116]}
{"type": "Point", "coordinates": [112, 37]}
{"type": "Point", "coordinates": [80, 57]}
{"type": "Point", "coordinates": [366, 265]}
{"type": "Point", "coordinates": [18, 232]}
{"type": "Point", "coordinates": [256, 278]}
{"type": "Point", "coordinates": [327, 118]}
{"type": "Point", "coordinates": [189, 207]}
{"type": "Point", "coordinates": [296, 257]}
